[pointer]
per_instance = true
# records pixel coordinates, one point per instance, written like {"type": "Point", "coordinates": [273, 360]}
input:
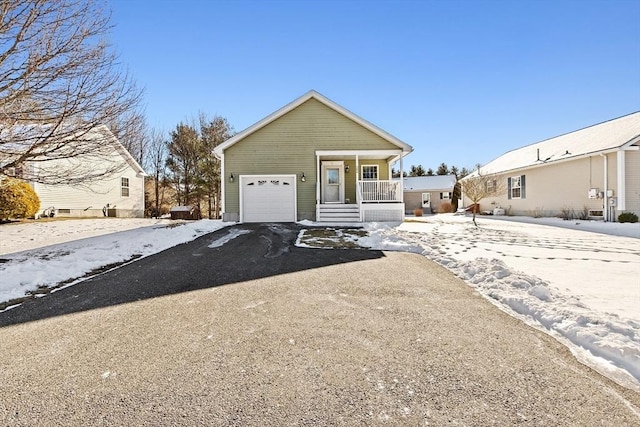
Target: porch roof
{"type": "Point", "coordinates": [390, 156]}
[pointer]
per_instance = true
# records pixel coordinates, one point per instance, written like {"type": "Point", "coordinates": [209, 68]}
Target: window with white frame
{"type": "Point", "coordinates": [369, 172]}
{"type": "Point", "coordinates": [515, 187]}
{"type": "Point", "coordinates": [445, 195]}
{"type": "Point", "coordinates": [124, 187]}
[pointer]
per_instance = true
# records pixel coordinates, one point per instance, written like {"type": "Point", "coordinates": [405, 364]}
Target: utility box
{"type": "Point", "coordinates": [613, 201]}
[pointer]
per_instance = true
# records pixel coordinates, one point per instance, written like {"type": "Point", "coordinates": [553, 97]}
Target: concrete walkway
{"type": "Point", "coordinates": [392, 340]}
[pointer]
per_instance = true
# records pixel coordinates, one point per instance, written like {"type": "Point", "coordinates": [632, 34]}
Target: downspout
{"type": "Point", "coordinates": [605, 208]}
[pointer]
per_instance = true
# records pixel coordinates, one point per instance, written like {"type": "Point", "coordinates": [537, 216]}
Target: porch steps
{"type": "Point", "coordinates": [338, 213]}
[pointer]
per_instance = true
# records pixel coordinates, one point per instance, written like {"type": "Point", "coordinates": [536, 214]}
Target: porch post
{"type": "Point", "coordinates": [357, 169]}
{"type": "Point", "coordinates": [318, 172]}
{"type": "Point", "coordinates": [401, 177]}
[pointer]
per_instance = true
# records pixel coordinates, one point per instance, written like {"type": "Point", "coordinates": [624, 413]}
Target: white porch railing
{"type": "Point", "coordinates": [379, 191]}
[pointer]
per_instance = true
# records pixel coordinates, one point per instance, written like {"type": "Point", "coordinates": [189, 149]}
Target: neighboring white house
{"type": "Point", "coordinates": [595, 170]}
{"type": "Point", "coordinates": [118, 193]}
{"type": "Point", "coordinates": [428, 192]}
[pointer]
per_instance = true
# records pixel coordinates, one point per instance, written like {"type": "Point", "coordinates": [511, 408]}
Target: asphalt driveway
{"type": "Point", "coordinates": [260, 332]}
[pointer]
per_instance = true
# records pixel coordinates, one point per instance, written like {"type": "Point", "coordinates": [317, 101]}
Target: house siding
{"type": "Point", "coordinates": [413, 200]}
{"type": "Point", "coordinates": [632, 184]}
{"type": "Point", "coordinates": [552, 188]}
{"type": "Point", "coordinates": [288, 145]}
{"type": "Point", "coordinates": [88, 200]}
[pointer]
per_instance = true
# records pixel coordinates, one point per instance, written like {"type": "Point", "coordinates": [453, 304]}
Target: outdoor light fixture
{"type": "Point", "coordinates": [303, 178]}
{"type": "Point", "coordinates": [231, 177]}
{"type": "Point", "coordinates": [346, 169]}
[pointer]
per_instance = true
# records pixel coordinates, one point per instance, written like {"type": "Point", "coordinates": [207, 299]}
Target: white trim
{"type": "Point", "coordinates": [223, 187]}
{"type": "Point", "coordinates": [405, 148]}
{"type": "Point", "coordinates": [374, 153]}
{"type": "Point", "coordinates": [368, 166]}
{"type": "Point", "coordinates": [519, 187]}
{"type": "Point", "coordinates": [122, 187]}
{"type": "Point", "coordinates": [332, 164]}
{"type": "Point", "coordinates": [295, 191]}
{"type": "Point", "coordinates": [622, 187]}
{"type": "Point", "coordinates": [121, 150]}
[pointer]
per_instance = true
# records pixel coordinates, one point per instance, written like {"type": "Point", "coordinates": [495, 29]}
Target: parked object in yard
{"type": "Point", "coordinates": [185, 212]}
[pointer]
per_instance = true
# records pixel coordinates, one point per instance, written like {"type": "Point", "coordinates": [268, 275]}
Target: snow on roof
{"type": "Point", "coordinates": [609, 135]}
{"type": "Point", "coordinates": [429, 183]}
{"type": "Point", "coordinates": [181, 209]}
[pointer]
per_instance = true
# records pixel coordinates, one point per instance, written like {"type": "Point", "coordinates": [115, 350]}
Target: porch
{"type": "Point", "coordinates": [357, 186]}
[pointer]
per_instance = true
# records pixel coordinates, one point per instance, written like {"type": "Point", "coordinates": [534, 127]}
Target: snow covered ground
{"type": "Point", "coordinates": [583, 287]}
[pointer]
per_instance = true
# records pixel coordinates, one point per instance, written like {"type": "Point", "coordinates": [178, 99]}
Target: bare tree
{"type": "Point", "coordinates": [132, 132]}
{"type": "Point", "coordinates": [155, 162]}
{"type": "Point", "coordinates": [59, 82]}
{"type": "Point", "coordinates": [477, 187]}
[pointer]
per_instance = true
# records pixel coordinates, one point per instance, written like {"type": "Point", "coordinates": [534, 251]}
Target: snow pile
{"type": "Point", "coordinates": [232, 234]}
{"type": "Point", "coordinates": [22, 272]}
{"type": "Point", "coordinates": [492, 258]}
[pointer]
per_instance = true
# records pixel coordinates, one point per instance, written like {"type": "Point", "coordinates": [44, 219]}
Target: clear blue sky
{"type": "Point", "coordinates": [461, 81]}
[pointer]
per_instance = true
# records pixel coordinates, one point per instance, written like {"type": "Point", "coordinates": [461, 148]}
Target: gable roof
{"type": "Point", "coordinates": [607, 136]}
{"type": "Point", "coordinates": [104, 130]}
{"type": "Point", "coordinates": [429, 183]}
{"type": "Point", "coordinates": [406, 148]}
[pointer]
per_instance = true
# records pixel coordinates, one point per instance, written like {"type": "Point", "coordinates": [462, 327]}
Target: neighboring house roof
{"type": "Point", "coordinates": [603, 137]}
{"type": "Point", "coordinates": [121, 149]}
{"type": "Point", "coordinates": [429, 183]}
{"type": "Point", "coordinates": [33, 131]}
{"type": "Point", "coordinates": [406, 148]}
{"type": "Point", "coordinates": [181, 209]}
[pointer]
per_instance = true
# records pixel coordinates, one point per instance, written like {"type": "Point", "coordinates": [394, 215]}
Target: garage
{"type": "Point", "coordinates": [267, 198]}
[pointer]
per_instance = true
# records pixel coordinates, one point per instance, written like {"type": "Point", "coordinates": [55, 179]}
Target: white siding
{"type": "Point", "coordinates": [89, 199]}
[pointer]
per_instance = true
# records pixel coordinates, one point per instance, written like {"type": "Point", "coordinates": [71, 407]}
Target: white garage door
{"type": "Point", "coordinates": [267, 198]}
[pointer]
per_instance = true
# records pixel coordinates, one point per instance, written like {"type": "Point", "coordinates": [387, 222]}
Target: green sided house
{"type": "Point", "coordinates": [311, 160]}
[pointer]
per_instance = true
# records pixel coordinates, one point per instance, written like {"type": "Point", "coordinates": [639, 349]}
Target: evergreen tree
{"type": "Point", "coordinates": [443, 169]}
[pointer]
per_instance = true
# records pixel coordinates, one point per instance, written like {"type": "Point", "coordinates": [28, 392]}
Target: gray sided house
{"type": "Point", "coordinates": [428, 192]}
{"type": "Point", "coordinates": [312, 159]}
{"type": "Point", "coordinates": [595, 170]}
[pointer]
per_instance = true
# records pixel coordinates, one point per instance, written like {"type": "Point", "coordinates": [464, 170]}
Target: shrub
{"type": "Point", "coordinates": [583, 214]}
{"type": "Point", "coordinates": [537, 212]}
{"type": "Point", "coordinates": [417, 212]}
{"type": "Point", "coordinates": [627, 217]}
{"type": "Point", "coordinates": [445, 207]}
{"type": "Point", "coordinates": [17, 199]}
{"type": "Point", "coordinates": [567, 213]}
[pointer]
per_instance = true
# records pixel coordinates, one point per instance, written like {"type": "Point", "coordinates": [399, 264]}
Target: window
{"type": "Point", "coordinates": [124, 187]}
{"type": "Point", "coordinates": [516, 187]}
{"type": "Point", "coordinates": [491, 186]}
{"type": "Point", "coordinates": [445, 195]}
{"type": "Point", "coordinates": [15, 172]}
{"type": "Point", "coordinates": [369, 172]}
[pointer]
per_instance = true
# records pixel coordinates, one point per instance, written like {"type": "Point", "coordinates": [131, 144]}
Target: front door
{"type": "Point", "coordinates": [426, 200]}
{"type": "Point", "coordinates": [332, 182]}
